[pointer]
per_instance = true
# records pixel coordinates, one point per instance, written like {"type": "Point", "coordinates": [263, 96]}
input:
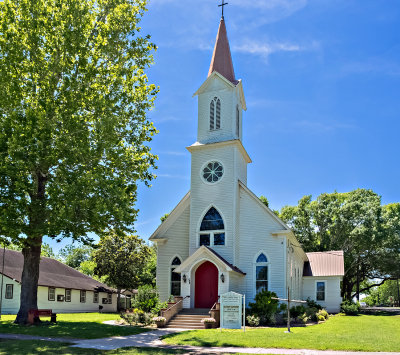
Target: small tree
{"type": "Point", "coordinates": [121, 259]}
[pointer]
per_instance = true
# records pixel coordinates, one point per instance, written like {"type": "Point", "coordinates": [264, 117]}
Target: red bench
{"type": "Point", "coordinates": [36, 313]}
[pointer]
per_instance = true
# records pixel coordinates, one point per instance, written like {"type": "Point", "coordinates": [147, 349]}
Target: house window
{"type": "Point", "coordinates": [109, 298]}
{"type": "Point", "coordinates": [237, 120]}
{"type": "Point", "coordinates": [9, 291]}
{"type": "Point", "coordinates": [67, 295]}
{"type": "Point", "coordinates": [95, 297]}
{"type": "Point", "coordinates": [261, 273]}
{"type": "Point", "coordinates": [175, 278]}
{"type": "Point", "coordinates": [213, 225]}
{"type": "Point", "coordinates": [52, 294]}
{"type": "Point", "coordinates": [320, 290]}
{"type": "Point", "coordinates": [83, 296]}
{"type": "Point", "coordinates": [215, 114]}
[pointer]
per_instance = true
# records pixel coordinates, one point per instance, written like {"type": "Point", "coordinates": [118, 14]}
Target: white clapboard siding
{"type": "Point", "coordinates": [332, 291]}
{"type": "Point", "coordinates": [256, 226]}
{"type": "Point", "coordinates": [177, 245]}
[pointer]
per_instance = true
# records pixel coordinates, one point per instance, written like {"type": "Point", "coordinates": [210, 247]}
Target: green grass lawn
{"type": "Point", "coordinates": [77, 325]}
{"type": "Point", "coordinates": [359, 333]}
{"type": "Point", "coordinates": [28, 347]}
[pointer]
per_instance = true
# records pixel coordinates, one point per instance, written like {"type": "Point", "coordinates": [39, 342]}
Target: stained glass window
{"type": "Point", "coordinates": [212, 221]}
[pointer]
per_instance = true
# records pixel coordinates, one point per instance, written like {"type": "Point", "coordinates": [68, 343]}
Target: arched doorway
{"type": "Point", "coordinates": [206, 285]}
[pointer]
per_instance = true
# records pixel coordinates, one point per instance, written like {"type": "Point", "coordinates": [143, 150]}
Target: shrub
{"type": "Point", "coordinates": [323, 313]}
{"type": "Point", "coordinates": [265, 307]}
{"type": "Point", "coordinates": [302, 318]}
{"type": "Point", "coordinates": [350, 308]}
{"type": "Point", "coordinates": [137, 317]}
{"type": "Point", "coordinates": [320, 317]}
{"type": "Point", "coordinates": [147, 300]}
{"type": "Point", "coordinates": [311, 313]}
{"type": "Point", "coordinates": [312, 304]}
{"type": "Point", "coordinates": [297, 311]}
{"type": "Point", "coordinates": [253, 321]}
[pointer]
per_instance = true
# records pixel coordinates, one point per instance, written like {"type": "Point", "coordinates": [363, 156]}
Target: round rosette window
{"type": "Point", "coordinates": [213, 171]}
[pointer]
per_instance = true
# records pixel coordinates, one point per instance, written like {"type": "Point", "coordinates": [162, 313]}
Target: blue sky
{"type": "Point", "coordinates": [322, 84]}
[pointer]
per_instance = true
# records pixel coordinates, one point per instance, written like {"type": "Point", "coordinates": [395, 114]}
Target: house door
{"type": "Point", "coordinates": [206, 285]}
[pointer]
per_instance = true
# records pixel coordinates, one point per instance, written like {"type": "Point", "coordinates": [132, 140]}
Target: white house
{"type": "Point", "coordinates": [61, 288]}
{"type": "Point", "coordinates": [221, 237]}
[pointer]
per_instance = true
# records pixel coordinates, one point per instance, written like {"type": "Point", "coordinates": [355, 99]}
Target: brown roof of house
{"type": "Point", "coordinates": [328, 263]}
{"type": "Point", "coordinates": [221, 61]}
{"type": "Point", "coordinates": [233, 267]}
{"type": "Point", "coordinates": [52, 273]}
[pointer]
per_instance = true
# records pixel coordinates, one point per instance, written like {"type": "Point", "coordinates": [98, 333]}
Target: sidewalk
{"type": "Point", "coordinates": [152, 339]}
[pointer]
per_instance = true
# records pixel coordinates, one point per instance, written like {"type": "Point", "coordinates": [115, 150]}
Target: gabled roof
{"type": "Point", "coordinates": [221, 61]}
{"type": "Point", "coordinates": [210, 254]}
{"type": "Point", "coordinates": [172, 217]}
{"type": "Point", "coordinates": [328, 263]}
{"type": "Point", "coordinates": [52, 273]}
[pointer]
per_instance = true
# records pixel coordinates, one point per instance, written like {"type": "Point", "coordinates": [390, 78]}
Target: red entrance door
{"type": "Point", "coordinates": [206, 285]}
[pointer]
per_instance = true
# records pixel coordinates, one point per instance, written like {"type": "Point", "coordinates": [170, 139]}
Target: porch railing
{"type": "Point", "coordinates": [173, 309]}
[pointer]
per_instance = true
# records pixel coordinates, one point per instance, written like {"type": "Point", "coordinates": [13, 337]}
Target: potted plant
{"type": "Point", "coordinates": [160, 321]}
{"type": "Point", "coordinates": [208, 322]}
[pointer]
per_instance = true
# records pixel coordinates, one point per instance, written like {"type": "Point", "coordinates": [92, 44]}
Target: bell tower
{"type": "Point", "coordinates": [219, 160]}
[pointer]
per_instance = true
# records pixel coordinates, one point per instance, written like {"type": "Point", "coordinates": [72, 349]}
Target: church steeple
{"type": "Point", "coordinates": [221, 61]}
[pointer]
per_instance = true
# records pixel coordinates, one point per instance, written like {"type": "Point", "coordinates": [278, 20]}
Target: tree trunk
{"type": "Point", "coordinates": [398, 293]}
{"type": "Point", "coordinates": [29, 282]}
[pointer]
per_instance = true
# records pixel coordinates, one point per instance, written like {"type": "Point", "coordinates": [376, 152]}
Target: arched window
{"type": "Point", "coordinates": [175, 278]}
{"type": "Point", "coordinates": [237, 121]}
{"type": "Point", "coordinates": [215, 114]}
{"type": "Point", "coordinates": [212, 229]}
{"type": "Point", "coordinates": [261, 273]}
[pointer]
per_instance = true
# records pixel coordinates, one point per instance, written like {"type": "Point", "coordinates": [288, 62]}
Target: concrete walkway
{"type": "Point", "coordinates": [152, 339]}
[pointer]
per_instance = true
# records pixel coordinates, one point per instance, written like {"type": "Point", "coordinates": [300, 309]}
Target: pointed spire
{"type": "Point", "coordinates": [222, 60]}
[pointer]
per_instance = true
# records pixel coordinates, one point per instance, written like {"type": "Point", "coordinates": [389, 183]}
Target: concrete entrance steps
{"type": "Point", "coordinates": [189, 318]}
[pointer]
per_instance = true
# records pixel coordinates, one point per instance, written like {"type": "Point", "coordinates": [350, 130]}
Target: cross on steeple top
{"type": "Point", "coordinates": [222, 6]}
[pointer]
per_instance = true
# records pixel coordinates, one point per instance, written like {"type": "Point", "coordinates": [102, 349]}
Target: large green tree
{"type": "Point", "coordinates": [74, 255]}
{"type": "Point", "coordinates": [122, 260]}
{"type": "Point", "coordinates": [356, 223]}
{"type": "Point", "coordinates": [73, 122]}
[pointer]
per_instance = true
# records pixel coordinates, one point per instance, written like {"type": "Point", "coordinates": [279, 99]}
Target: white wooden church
{"type": "Point", "coordinates": [221, 237]}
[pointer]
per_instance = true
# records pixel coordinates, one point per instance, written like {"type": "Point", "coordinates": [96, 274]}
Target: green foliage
{"type": "Point", "coordinates": [47, 251]}
{"type": "Point", "coordinates": [313, 304]}
{"type": "Point", "coordinates": [253, 321]}
{"type": "Point", "coordinates": [323, 313]}
{"type": "Point", "coordinates": [264, 200]}
{"type": "Point", "coordinates": [264, 306]}
{"type": "Point", "coordinates": [312, 313]}
{"type": "Point", "coordinates": [74, 130]}
{"type": "Point", "coordinates": [355, 222]}
{"type": "Point", "coordinates": [147, 300]}
{"type": "Point", "coordinates": [122, 259]}
{"type": "Point", "coordinates": [350, 308]}
{"type": "Point", "coordinates": [74, 255]}
{"type": "Point", "coordinates": [137, 317]}
{"type": "Point", "coordinates": [297, 311]}
{"type": "Point", "coordinates": [164, 217]}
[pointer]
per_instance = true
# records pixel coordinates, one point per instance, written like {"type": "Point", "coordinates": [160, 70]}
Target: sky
{"type": "Point", "coordinates": [322, 84]}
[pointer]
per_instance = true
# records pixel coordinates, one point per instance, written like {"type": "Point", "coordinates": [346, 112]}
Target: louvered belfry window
{"type": "Point", "coordinates": [215, 114]}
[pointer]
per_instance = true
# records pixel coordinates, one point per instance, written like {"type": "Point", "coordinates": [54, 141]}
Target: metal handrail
{"type": "Point", "coordinates": [175, 304]}
{"type": "Point", "coordinates": [215, 303]}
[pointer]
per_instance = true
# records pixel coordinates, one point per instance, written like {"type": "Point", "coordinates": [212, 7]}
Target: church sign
{"type": "Point", "coordinates": [231, 310]}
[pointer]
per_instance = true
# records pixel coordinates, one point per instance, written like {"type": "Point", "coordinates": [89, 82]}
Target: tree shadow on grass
{"type": "Point", "coordinates": [77, 330]}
